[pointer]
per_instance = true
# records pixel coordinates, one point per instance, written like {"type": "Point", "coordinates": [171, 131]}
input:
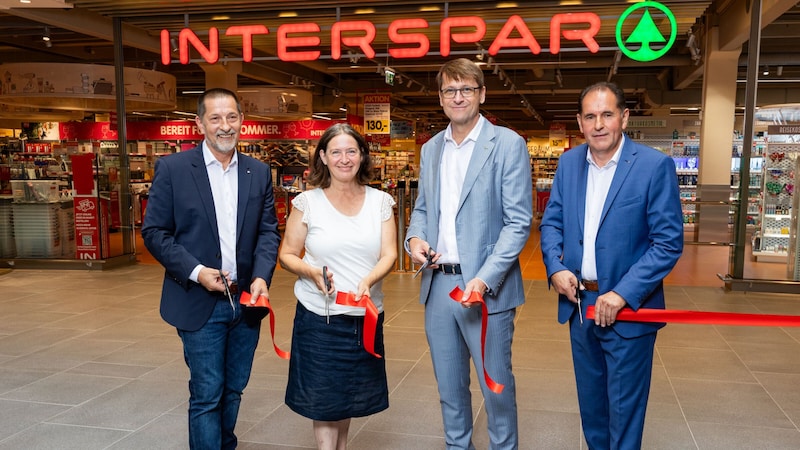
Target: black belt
{"type": "Point", "coordinates": [591, 286]}
{"type": "Point", "coordinates": [450, 269]}
{"type": "Point", "coordinates": [233, 287]}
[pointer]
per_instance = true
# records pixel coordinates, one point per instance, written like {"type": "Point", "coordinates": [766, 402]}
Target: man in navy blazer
{"type": "Point", "coordinates": [211, 223]}
{"type": "Point", "coordinates": [611, 231]}
{"type": "Point", "coordinates": [474, 207]}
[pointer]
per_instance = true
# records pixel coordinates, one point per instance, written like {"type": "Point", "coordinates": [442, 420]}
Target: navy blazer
{"type": "Point", "coordinates": [180, 231]}
{"type": "Point", "coordinates": [640, 237]}
{"type": "Point", "coordinates": [494, 215]}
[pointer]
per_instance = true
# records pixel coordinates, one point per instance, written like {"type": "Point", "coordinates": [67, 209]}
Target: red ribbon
{"type": "Point", "coordinates": [263, 302]}
{"type": "Point", "coordinates": [370, 317]}
{"type": "Point", "coordinates": [702, 317]}
{"type": "Point", "coordinates": [475, 297]}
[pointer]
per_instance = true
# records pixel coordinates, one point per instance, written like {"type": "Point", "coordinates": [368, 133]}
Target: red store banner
{"type": "Point", "coordinates": [187, 130]}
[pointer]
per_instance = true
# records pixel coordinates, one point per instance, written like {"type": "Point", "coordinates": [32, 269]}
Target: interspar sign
{"type": "Point", "coordinates": [299, 41]}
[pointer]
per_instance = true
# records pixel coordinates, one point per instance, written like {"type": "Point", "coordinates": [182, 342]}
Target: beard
{"type": "Point", "coordinates": [223, 145]}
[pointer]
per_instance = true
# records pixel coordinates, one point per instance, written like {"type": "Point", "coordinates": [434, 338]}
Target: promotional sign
{"type": "Point", "coordinates": [90, 216]}
{"type": "Point", "coordinates": [377, 113]}
{"type": "Point", "coordinates": [558, 136]}
{"type": "Point", "coordinates": [89, 221]}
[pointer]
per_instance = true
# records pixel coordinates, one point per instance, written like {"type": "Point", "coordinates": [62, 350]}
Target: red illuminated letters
{"type": "Point", "coordinates": [363, 42]}
{"type": "Point", "coordinates": [587, 36]}
{"type": "Point", "coordinates": [246, 32]}
{"type": "Point", "coordinates": [409, 38]}
{"type": "Point", "coordinates": [284, 42]}
{"type": "Point", "coordinates": [515, 22]}
{"type": "Point", "coordinates": [210, 53]}
{"type": "Point", "coordinates": [301, 41]}
{"type": "Point", "coordinates": [460, 22]}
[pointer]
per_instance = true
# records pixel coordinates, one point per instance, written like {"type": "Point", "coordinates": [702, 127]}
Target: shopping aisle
{"type": "Point", "coordinates": [86, 362]}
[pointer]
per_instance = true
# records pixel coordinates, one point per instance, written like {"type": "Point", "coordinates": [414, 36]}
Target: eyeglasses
{"type": "Point", "coordinates": [466, 91]}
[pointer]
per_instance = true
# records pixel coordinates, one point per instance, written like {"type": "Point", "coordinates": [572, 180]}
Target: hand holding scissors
{"type": "Point", "coordinates": [427, 263]}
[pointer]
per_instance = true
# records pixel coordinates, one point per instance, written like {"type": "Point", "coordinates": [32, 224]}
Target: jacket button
{"type": "Point", "coordinates": [218, 255]}
{"type": "Point", "coordinates": [581, 241]}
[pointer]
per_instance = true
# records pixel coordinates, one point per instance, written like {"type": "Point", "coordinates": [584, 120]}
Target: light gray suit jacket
{"type": "Point", "coordinates": [494, 215]}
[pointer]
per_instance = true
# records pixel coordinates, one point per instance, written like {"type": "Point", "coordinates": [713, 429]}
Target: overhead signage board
{"type": "Point", "coordinates": [639, 35]}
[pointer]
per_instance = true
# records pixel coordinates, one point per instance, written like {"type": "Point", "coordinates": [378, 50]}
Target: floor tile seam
{"type": "Point", "coordinates": [83, 361]}
{"type": "Point", "coordinates": [55, 374]}
{"type": "Point", "coordinates": [777, 403]}
{"type": "Point", "coordinates": [677, 398]}
{"type": "Point", "coordinates": [716, 380]}
{"type": "Point", "coordinates": [85, 401]}
{"type": "Point", "coordinates": [418, 363]}
{"type": "Point", "coordinates": [739, 425]}
{"type": "Point", "coordinates": [540, 339]}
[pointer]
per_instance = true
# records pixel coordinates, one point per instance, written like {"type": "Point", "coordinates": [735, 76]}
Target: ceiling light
{"type": "Point", "coordinates": [220, 17]}
{"type": "Point", "coordinates": [766, 71]}
{"type": "Point", "coordinates": [286, 14]}
{"type": "Point", "coordinates": [365, 11]}
{"type": "Point", "coordinates": [507, 5]}
{"type": "Point", "coordinates": [429, 8]}
{"type": "Point", "coordinates": [46, 34]}
{"type": "Point", "coordinates": [25, 1]}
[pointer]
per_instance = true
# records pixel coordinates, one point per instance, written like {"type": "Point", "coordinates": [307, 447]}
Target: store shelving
{"type": "Point", "coordinates": [772, 240]}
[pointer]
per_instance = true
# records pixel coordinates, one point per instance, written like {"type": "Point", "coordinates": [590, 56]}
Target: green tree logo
{"type": "Point", "coordinates": [646, 41]}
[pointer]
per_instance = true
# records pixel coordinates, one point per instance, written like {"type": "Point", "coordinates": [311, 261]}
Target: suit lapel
{"type": "Point", "coordinates": [484, 147]}
{"type": "Point", "coordinates": [434, 175]}
{"type": "Point", "coordinates": [245, 179]}
{"type": "Point", "coordinates": [583, 177]}
{"type": "Point", "coordinates": [626, 160]}
{"type": "Point", "coordinates": [200, 176]}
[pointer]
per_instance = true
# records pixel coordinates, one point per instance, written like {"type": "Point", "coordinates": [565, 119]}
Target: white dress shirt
{"type": "Point", "coordinates": [452, 171]}
{"type": "Point", "coordinates": [597, 184]}
{"type": "Point", "coordinates": [225, 190]}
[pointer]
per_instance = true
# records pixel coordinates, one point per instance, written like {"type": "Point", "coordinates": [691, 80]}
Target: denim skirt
{"type": "Point", "coordinates": [331, 375]}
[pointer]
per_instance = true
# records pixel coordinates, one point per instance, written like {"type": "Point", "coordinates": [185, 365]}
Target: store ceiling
{"type": "Point", "coordinates": [81, 32]}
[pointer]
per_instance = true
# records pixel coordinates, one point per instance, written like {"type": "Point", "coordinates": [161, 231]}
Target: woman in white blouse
{"type": "Point", "coordinates": [344, 230]}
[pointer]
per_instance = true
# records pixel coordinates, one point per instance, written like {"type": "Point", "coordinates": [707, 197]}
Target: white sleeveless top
{"type": "Point", "coordinates": [349, 245]}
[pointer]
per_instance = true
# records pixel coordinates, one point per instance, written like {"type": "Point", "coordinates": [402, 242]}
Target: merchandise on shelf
{"type": "Point", "coordinates": [778, 179]}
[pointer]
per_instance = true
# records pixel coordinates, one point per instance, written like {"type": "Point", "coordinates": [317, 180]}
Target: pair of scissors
{"type": "Point", "coordinates": [327, 295]}
{"type": "Point", "coordinates": [428, 262]}
{"type": "Point", "coordinates": [227, 288]}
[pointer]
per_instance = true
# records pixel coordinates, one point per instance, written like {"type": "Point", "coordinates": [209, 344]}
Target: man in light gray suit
{"type": "Point", "coordinates": [471, 219]}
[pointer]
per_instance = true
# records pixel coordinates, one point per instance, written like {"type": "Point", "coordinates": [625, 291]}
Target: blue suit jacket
{"type": "Point", "coordinates": [494, 215]}
{"type": "Point", "coordinates": [640, 237]}
{"type": "Point", "coordinates": [180, 231]}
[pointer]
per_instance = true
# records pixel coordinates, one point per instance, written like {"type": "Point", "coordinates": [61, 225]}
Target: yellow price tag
{"type": "Point", "coordinates": [376, 126]}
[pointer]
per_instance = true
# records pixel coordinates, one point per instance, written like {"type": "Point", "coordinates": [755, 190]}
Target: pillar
{"type": "Point", "coordinates": [716, 138]}
{"type": "Point", "coordinates": [223, 74]}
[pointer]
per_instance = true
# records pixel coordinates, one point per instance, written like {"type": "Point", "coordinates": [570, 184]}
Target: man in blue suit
{"type": "Point", "coordinates": [611, 231]}
{"type": "Point", "coordinates": [475, 209]}
{"type": "Point", "coordinates": [211, 223]}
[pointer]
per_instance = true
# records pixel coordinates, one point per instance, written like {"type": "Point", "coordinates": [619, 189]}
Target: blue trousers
{"type": "Point", "coordinates": [219, 356]}
{"type": "Point", "coordinates": [454, 336]}
{"type": "Point", "coordinates": [613, 377]}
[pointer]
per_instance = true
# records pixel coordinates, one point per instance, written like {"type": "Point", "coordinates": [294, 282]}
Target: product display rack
{"type": "Point", "coordinates": [772, 240]}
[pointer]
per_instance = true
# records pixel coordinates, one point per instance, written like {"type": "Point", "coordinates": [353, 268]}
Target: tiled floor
{"type": "Point", "coordinates": [87, 363]}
